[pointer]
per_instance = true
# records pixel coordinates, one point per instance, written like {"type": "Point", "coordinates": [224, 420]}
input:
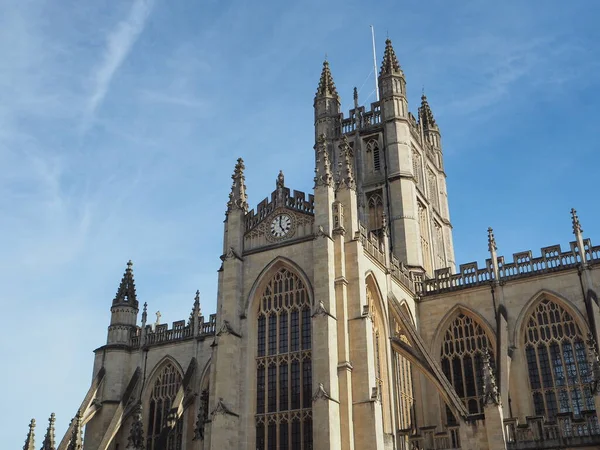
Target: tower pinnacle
{"type": "Point", "coordinates": [326, 85]}
{"type": "Point", "coordinates": [237, 197]}
{"type": "Point", "coordinates": [75, 443]}
{"type": "Point", "coordinates": [49, 443]}
{"type": "Point", "coordinates": [390, 63]}
{"type": "Point", "coordinates": [126, 292]}
{"type": "Point", "coordinates": [426, 115]}
{"type": "Point", "coordinates": [323, 166]}
{"type": "Point", "coordinates": [30, 441]}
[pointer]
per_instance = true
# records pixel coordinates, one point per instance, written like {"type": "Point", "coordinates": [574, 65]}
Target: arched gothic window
{"type": "Point", "coordinates": [161, 398]}
{"type": "Point", "coordinates": [424, 229]}
{"type": "Point", "coordinates": [557, 361]}
{"type": "Point", "coordinates": [375, 203]}
{"type": "Point", "coordinates": [283, 365]}
{"type": "Point", "coordinates": [373, 147]}
{"type": "Point", "coordinates": [405, 401]}
{"type": "Point", "coordinates": [462, 363]}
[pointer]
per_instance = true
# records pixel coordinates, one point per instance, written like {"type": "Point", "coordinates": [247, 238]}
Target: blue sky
{"type": "Point", "coordinates": [120, 124]}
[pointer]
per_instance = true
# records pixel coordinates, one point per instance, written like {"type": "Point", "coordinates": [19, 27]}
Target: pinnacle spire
{"type": "Point", "coordinates": [390, 63]}
{"type": "Point", "coordinates": [490, 387]}
{"type": "Point", "coordinates": [196, 312]}
{"type": "Point", "coordinates": [136, 434]}
{"type": "Point", "coordinates": [49, 443]}
{"type": "Point", "coordinates": [346, 172]}
{"type": "Point", "coordinates": [126, 292]}
{"type": "Point", "coordinates": [326, 84]}
{"type": "Point", "coordinates": [75, 443]}
{"type": "Point", "coordinates": [491, 240]}
{"type": "Point", "coordinates": [30, 441]}
{"type": "Point", "coordinates": [237, 197]}
{"type": "Point", "coordinates": [323, 165]}
{"type": "Point", "coordinates": [575, 221]}
{"type": "Point", "coordinates": [280, 183]}
{"type": "Point", "coordinates": [426, 115]}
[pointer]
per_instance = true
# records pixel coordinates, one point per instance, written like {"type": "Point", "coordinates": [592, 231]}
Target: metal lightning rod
{"type": "Point", "coordinates": [375, 63]}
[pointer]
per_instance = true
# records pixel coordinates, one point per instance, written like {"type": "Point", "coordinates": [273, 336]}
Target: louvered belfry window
{"type": "Point", "coordinates": [462, 363]}
{"type": "Point", "coordinates": [557, 363]}
{"type": "Point", "coordinates": [283, 365]}
{"type": "Point", "coordinates": [163, 393]}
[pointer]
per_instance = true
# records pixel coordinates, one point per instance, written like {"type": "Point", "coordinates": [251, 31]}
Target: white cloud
{"type": "Point", "coordinates": [119, 43]}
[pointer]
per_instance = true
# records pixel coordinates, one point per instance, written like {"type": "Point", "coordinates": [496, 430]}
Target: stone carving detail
{"type": "Point", "coordinates": [76, 443]}
{"type": "Point", "coordinates": [222, 409]}
{"type": "Point", "coordinates": [321, 233]}
{"type": "Point", "coordinates": [323, 165]}
{"type": "Point", "coordinates": [491, 395]}
{"type": "Point", "coordinates": [345, 174]}
{"type": "Point", "coordinates": [226, 328]}
{"type": "Point", "coordinates": [49, 443]}
{"type": "Point", "coordinates": [231, 253]}
{"type": "Point", "coordinates": [202, 416]}
{"type": "Point", "coordinates": [321, 393]}
{"type": "Point", "coordinates": [136, 434]}
{"type": "Point", "coordinates": [320, 310]}
{"type": "Point", "coordinates": [593, 364]}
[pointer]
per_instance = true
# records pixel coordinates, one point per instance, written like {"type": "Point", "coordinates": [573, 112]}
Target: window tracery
{"type": "Point", "coordinates": [405, 400]}
{"type": "Point", "coordinates": [161, 398]}
{"type": "Point", "coordinates": [434, 195]}
{"type": "Point", "coordinates": [283, 365]}
{"type": "Point", "coordinates": [373, 148]}
{"type": "Point", "coordinates": [424, 229]}
{"type": "Point", "coordinates": [462, 363]}
{"type": "Point", "coordinates": [417, 167]}
{"type": "Point", "coordinates": [375, 204]}
{"type": "Point", "coordinates": [557, 363]}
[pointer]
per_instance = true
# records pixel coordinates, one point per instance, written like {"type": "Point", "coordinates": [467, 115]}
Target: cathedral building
{"type": "Point", "coordinates": [343, 323]}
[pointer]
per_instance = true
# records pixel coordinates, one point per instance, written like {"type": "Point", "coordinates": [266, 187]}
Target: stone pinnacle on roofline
{"type": "Point", "coordinates": [237, 197]}
{"type": "Point", "coordinates": [30, 440]}
{"type": "Point", "coordinates": [126, 292]}
{"type": "Point", "coordinates": [49, 443]}
{"type": "Point", "coordinates": [390, 63]}
{"type": "Point", "coordinates": [326, 85]}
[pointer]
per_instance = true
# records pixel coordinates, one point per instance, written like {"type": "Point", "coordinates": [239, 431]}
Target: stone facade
{"type": "Point", "coordinates": [341, 323]}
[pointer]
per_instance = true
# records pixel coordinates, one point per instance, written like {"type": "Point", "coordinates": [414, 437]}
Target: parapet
{"type": "Point", "coordinates": [566, 431]}
{"type": "Point", "coordinates": [523, 265]}
{"type": "Point", "coordinates": [180, 331]}
{"type": "Point", "coordinates": [298, 202]}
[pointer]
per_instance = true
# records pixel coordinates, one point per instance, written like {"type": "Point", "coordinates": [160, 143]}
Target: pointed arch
{"type": "Point", "coordinates": [160, 393]}
{"type": "Point", "coordinates": [532, 303]}
{"type": "Point", "coordinates": [449, 317]}
{"type": "Point", "coordinates": [279, 311]}
{"type": "Point", "coordinates": [553, 339]}
{"type": "Point", "coordinates": [268, 271]}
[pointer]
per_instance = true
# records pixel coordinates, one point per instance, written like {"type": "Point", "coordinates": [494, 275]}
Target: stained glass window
{"type": "Point", "coordinates": [462, 362]}
{"type": "Point", "coordinates": [556, 356]}
{"type": "Point", "coordinates": [163, 393]}
{"type": "Point", "coordinates": [284, 375]}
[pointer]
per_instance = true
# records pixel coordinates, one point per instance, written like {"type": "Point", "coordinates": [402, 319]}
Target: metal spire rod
{"type": "Point", "coordinates": [375, 63]}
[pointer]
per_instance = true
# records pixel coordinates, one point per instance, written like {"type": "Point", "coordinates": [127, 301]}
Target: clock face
{"type": "Point", "coordinates": [281, 225]}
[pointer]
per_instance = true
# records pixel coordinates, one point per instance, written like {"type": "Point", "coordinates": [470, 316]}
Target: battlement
{"type": "Point", "coordinates": [180, 331]}
{"type": "Point", "coordinates": [360, 119]}
{"type": "Point", "coordinates": [425, 438]}
{"type": "Point", "coordinates": [523, 265]}
{"type": "Point", "coordinates": [298, 202]}
{"type": "Point", "coordinates": [567, 431]}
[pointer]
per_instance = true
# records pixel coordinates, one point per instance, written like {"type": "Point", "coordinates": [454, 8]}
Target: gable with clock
{"type": "Point", "coordinates": [287, 217]}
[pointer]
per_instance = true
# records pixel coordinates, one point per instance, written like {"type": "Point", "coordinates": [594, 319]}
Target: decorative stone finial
{"type": "Point", "coordinates": [30, 440]}
{"type": "Point", "coordinates": [346, 172]}
{"type": "Point", "coordinates": [593, 364]}
{"type": "Point", "coordinates": [355, 98]}
{"type": "Point", "coordinates": [158, 316]}
{"type": "Point", "coordinates": [76, 443]}
{"type": "Point", "coordinates": [390, 63]}
{"type": "Point", "coordinates": [49, 443]}
{"type": "Point", "coordinates": [322, 166]}
{"type": "Point", "coordinates": [135, 441]}
{"type": "Point", "coordinates": [426, 115]}
{"type": "Point", "coordinates": [384, 223]}
{"type": "Point", "coordinates": [280, 180]}
{"type": "Point", "coordinates": [490, 388]}
{"type": "Point", "coordinates": [145, 313]}
{"type": "Point", "coordinates": [491, 240]}
{"type": "Point", "coordinates": [326, 85]}
{"type": "Point", "coordinates": [126, 293]}
{"type": "Point", "coordinates": [195, 314]}
{"type": "Point", "coordinates": [575, 220]}
{"type": "Point", "coordinates": [237, 197]}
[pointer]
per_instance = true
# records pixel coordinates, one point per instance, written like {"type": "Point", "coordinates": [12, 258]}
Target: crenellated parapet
{"type": "Point", "coordinates": [430, 437]}
{"type": "Point", "coordinates": [179, 331]}
{"type": "Point", "coordinates": [566, 431]}
{"type": "Point", "coordinates": [522, 265]}
{"type": "Point", "coordinates": [295, 200]}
